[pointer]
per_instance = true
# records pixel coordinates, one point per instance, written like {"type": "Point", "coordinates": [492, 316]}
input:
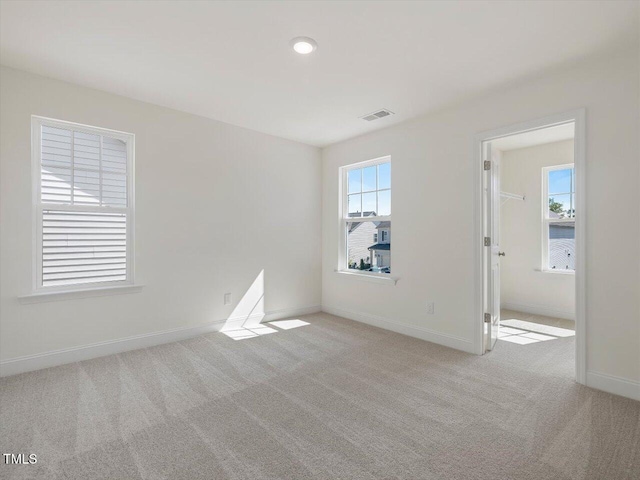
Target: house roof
{"type": "Point", "coordinates": [360, 220]}
{"type": "Point", "coordinates": [380, 246]}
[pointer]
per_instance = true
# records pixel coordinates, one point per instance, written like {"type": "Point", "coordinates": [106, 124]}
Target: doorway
{"type": "Point", "coordinates": [530, 233]}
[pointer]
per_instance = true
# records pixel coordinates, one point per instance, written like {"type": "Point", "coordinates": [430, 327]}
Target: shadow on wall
{"type": "Point", "coordinates": [245, 320]}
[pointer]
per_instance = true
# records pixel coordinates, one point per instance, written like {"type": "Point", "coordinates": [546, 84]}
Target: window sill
{"type": "Point", "coordinates": [41, 297]}
{"type": "Point", "coordinates": [369, 277]}
{"type": "Point", "coordinates": [558, 272]}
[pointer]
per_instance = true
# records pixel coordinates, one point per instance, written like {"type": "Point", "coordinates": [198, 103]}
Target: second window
{"type": "Point", "coordinates": [366, 216]}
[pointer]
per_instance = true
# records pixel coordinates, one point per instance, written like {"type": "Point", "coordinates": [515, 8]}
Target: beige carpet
{"type": "Point", "coordinates": [334, 399]}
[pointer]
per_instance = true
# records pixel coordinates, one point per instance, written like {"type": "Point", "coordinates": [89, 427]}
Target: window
{"type": "Point", "coordinates": [366, 214]}
{"type": "Point", "coordinates": [83, 196]}
{"type": "Point", "coordinates": [559, 244]}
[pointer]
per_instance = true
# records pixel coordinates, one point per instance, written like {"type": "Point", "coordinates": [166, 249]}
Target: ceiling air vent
{"type": "Point", "coordinates": [376, 115]}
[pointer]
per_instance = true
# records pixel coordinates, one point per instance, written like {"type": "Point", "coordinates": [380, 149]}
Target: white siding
{"type": "Point", "coordinates": [359, 241]}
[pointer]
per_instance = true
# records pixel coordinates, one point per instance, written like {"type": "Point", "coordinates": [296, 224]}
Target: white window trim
{"type": "Point", "coordinates": [37, 122]}
{"type": "Point", "coordinates": [48, 296]}
{"type": "Point", "coordinates": [343, 218]}
{"type": "Point", "coordinates": [371, 277]}
{"type": "Point", "coordinates": [546, 221]}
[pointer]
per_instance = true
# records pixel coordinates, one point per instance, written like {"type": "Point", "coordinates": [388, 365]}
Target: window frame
{"type": "Point", "coordinates": [38, 206]}
{"type": "Point", "coordinates": [547, 221]}
{"type": "Point", "coordinates": [344, 218]}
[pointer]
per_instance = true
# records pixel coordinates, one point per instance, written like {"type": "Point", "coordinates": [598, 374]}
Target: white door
{"type": "Point", "coordinates": [492, 252]}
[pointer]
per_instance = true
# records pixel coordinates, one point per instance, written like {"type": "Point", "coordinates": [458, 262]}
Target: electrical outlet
{"type": "Point", "coordinates": [431, 308]}
{"type": "Point", "coordinates": [227, 299]}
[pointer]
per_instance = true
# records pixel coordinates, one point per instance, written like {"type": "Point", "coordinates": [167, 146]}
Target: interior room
{"type": "Point", "coordinates": [197, 278]}
{"type": "Point", "coordinates": [537, 236]}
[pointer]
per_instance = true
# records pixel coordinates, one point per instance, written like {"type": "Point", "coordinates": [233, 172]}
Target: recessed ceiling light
{"type": "Point", "coordinates": [304, 45]}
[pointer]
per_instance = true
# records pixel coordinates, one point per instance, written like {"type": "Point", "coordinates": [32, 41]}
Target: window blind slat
{"type": "Point", "coordinates": [84, 250]}
{"type": "Point", "coordinates": [87, 275]}
{"type": "Point", "coordinates": [87, 261]}
{"type": "Point", "coordinates": [86, 280]}
{"type": "Point", "coordinates": [88, 269]}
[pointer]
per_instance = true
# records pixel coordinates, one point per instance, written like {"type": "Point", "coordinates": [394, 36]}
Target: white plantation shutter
{"type": "Point", "coordinates": [83, 169]}
{"type": "Point", "coordinates": [83, 247]}
{"type": "Point", "coordinates": [84, 214]}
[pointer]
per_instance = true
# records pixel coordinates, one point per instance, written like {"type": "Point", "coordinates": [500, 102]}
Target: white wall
{"type": "Point", "coordinates": [215, 205]}
{"type": "Point", "coordinates": [433, 205]}
{"type": "Point", "coordinates": [523, 285]}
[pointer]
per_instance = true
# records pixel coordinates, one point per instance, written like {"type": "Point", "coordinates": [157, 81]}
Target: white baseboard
{"type": "Point", "coordinates": [406, 329]}
{"type": "Point", "coordinates": [539, 310]}
{"type": "Point", "coordinates": [615, 385]}
{"type": "Point", "coordinates": [291, 312]}
{"type": "Point", "coordinates": [54, 358]}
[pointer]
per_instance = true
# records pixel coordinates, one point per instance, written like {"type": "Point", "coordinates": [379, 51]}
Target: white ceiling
{"type": "Point", "coordinates": [231, 61]}
{"type": "Point", "coordinates": [535, 137]}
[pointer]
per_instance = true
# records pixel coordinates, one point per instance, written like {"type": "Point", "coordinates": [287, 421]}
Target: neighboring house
{"type": "Point", "coordinates": [369, 242]}
{"type": "Point", "coordinates": [562, 243]}
{"type": "Point", "coordinates": [381, 250]}
{"type": "Point", "coordinates": [562, 246]}
{"type": "Point", "coordinates": [361, 236]}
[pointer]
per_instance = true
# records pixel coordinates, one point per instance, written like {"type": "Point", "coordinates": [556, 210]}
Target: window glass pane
{"type": "Point", "coordinates": [369, 204]}
{"type": "Point", "coordinates": [355, 207]}
{"type": "Point", "coordinates": [114, 189]}
{"type": "Point", "coordinates": [56, 147]}
{"type": "Point", "coordinates": [384, 202]}
{"type": "Point", "coordinates": [355, 180]}
{"type": "Point", "coordinates": [559, 206]}
{"type": "Point", "coordinates": [55, 185]}
{"type": "Point", "coordinates": [560, 181]}
{"type": "Point", "coordinates": [572, 212]}
{"type": "Point", "coordinates": [562, 246]}
{"type": "Point", "coordinates": [86, 187]}
{"type": "Point", "coordinates": [384, 175]}
{"type": "Point", "coordinates": [365, 254]}
{"type": "Point", "coordinates": [86, 151]}
{"type": "Point", "coordinates": [57, 158]}
{"type": "Point", "coordinates": [114, 155]}
{"type": "Point", "coordinates": [369, 179]}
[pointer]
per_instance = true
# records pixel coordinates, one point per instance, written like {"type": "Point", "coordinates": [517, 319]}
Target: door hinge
{"type": "Point", "coordinates": [487, 318]}
{"type": "Point", "coordinates": [487, 241]}
{"type": "Point", "coordinates": [487, 164]}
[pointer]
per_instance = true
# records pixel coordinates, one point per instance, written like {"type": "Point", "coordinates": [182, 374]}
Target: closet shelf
{"type": "Point", "coordinates": [511, 196]}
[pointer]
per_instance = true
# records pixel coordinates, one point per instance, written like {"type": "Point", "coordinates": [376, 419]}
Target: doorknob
{"type": "Point", "coordinates": [502, 254]}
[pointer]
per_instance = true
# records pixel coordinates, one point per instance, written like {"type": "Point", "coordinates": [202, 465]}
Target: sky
{"type": "Point", "coordinates": [561, 183]}
{"type": "Point", "coordinates": [364, 189]}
